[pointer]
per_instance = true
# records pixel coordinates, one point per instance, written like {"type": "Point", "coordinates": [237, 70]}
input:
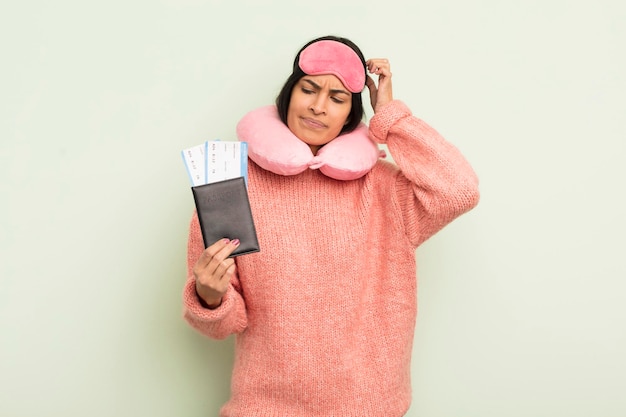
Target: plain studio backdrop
{"type": "Point", "coordinates": [521, 301]}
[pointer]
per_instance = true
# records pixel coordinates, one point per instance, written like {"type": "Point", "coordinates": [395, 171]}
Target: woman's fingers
{"type": "Point", "coordinates": [208, 254]}
{"type": "Point", "coordinates": [378, 66]}
{"type": "Point", "coordinates": [380, 94]}
{"type": "Point", "coordinates": [214, 270]}
{"type": "Point", "coordinates": [215, 260]}
{"type": "Point", "coordinates": [222, 268]}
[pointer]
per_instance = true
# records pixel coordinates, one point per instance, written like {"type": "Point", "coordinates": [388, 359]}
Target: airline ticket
{"type": "Point", "coordinates": [216, 160]}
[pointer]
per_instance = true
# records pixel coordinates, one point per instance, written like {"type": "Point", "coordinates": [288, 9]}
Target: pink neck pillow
{"type": "Point", "coordinates": [273, 147]}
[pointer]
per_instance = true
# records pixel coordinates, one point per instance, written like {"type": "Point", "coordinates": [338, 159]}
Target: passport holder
{"type": "Point", "coordinates": [224, 212]}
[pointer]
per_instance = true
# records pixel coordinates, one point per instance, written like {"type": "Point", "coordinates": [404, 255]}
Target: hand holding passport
{"type": "Point", "coordinates": [218, 174]}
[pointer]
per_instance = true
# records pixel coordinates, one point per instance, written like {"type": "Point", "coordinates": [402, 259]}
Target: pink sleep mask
{"type": "Point", "coordinates": [332, 57]}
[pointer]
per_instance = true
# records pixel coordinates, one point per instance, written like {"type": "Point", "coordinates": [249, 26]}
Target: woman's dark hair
{"type": "Point", "coordinates": [284, 97]}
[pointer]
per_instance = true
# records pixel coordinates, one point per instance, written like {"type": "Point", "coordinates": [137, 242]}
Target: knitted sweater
{"type": "Point", "coordinates": [324, 315]}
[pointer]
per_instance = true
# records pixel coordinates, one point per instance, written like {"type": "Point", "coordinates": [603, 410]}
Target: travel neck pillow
{"type": "Point", "coordinates": [273, 147]}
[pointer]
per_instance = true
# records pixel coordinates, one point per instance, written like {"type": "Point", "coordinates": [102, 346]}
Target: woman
{"type": "Point", "coordinates": [324, 314]}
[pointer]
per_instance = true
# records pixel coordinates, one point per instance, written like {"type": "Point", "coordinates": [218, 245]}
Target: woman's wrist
{"type": "Point", "coordinates": [211, 305]}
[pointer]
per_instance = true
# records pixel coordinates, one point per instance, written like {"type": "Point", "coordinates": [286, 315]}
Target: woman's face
{"type": "Point", "coordinates": [318, 109]}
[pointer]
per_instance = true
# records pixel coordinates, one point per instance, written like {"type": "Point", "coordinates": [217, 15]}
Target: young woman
{"type": "Point", "coordinates": [324, 314]}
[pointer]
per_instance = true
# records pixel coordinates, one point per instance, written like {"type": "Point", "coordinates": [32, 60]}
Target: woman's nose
{"type": "Point", "coordinates": [318, 106]}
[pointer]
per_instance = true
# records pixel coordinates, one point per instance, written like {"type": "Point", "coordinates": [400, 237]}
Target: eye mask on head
{"type": "Point", "coordinates": [336, 58]}
{"type": "Point", "coordinates": [275, 148]}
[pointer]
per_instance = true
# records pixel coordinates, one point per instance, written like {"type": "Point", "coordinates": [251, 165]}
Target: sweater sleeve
{"type": "Point", "coordinates": [435, 184]}
{"type": "Point", "coordinates": [230, 317]}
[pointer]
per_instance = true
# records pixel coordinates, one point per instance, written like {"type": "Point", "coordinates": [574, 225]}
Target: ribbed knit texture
{"type": "Point", "coordinates": [325, 313]}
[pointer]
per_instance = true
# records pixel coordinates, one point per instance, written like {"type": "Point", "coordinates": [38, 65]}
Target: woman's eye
{"type": "Point", "coordinates": [337, 100]}
{"type": "Point", "coordinates": [307, 91]}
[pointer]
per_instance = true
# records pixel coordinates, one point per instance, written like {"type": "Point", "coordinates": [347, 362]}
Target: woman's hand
{"type": "Point", "coordinates": [214, 270]}
{"type": "Point", "coordinates": [381, 95]}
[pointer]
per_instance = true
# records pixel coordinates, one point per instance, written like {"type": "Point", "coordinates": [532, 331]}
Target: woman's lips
{"type": "Point", "coordinates": [312, 123]}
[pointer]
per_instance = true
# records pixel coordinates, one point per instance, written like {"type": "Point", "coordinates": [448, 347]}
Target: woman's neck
{"type": "Point", "coordinates": [315, 148]}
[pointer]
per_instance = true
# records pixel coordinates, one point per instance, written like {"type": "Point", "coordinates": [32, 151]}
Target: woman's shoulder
{"type": "Point", "coordinates": [383, 170]}
{"type": "Point", "coordinates": [383, 176]}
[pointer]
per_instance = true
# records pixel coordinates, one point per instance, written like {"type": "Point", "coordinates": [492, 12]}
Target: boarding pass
{"type": "Point", "coordinates": [216, 160]}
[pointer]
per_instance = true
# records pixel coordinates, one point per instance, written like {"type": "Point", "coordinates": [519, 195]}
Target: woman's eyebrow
{"type": "Point", "coordinates": [333, 91]}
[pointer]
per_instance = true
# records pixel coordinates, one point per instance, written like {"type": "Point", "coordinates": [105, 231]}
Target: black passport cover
{"type": "Point", "coordinates": [224, 212]}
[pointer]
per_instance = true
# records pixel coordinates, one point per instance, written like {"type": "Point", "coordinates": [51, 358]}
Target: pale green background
{"type": "Point", "coordinates": [522, 308]}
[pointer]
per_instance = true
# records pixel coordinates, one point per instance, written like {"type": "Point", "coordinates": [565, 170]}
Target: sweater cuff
{"type": "Point", "coordinates": [385, 118]}
{"type": "Point", "coordinates": [192, 304]}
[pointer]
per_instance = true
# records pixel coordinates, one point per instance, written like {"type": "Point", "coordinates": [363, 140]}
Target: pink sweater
{"type": "Point", "coordinates": [324, 315]}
